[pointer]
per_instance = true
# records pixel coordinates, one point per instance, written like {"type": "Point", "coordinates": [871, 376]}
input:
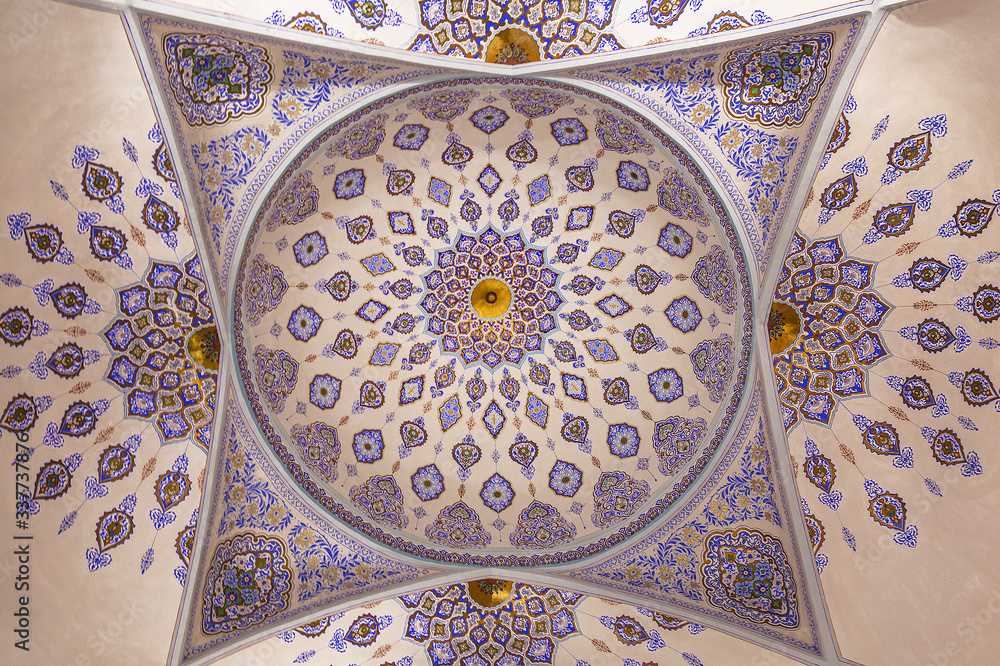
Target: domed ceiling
{"type": "Point", "coordinates": [389, 335]}
{"type": "Point", "coordinates": [510, 317]}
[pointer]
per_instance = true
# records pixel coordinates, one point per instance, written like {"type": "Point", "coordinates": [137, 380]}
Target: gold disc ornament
{"type": "Point", "coordinates": [490, 298]}
{"type": "Point", "coordinates": [490, 592]}
{"type": "Point", "coordinates": [783, 326]}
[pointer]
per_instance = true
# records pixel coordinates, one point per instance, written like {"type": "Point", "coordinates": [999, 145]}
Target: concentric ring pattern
{"type": "Point", "coordinates": [493, 321]}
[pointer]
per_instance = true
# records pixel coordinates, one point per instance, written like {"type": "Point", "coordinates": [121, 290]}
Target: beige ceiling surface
{"type": "Point", "coordinates": [118, 362]}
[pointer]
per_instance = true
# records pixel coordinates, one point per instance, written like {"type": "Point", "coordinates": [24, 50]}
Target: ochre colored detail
{"type": "Point", "coordinates": [490, 298]}
{"type": "Point", "coordinates": [783, 326]}
{"type": "Point", "coordinates": [512, 47]}
{"type": "Point", "coordinates": [489, 592]}
{"type": "Point", "coordinates": [203, 347]}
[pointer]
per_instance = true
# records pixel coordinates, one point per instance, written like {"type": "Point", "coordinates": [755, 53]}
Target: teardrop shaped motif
{"type": "Point", "coordinates": [339, 286]}
{"type": "Point", "coordinates": [171, 489]}
{"type": "Point", "coordinates": [973, 216]}
{"type": "Point", "coordinates": [646, 279]}
{"type": "Point", "coordinates": [113, 529]}
{"type": "Point", "coordinates": [933, 336]}
{"type": "Point", "coordinates": [371, 395]}
{"type": "Point", "coordinates": [79, 420]}
{"type": "Point", "coordinates": [889, 510]}
{"type": "Point", "coordinates": [69, 299]}
{"type": "Point", "coordinates": [896, 219]}
{"type": "Point", "coordinates": [471, 211]}
{"type": "Point", "coordinates": [456, 154]}
{"type": "Point", "coordinates": [580, 177]}
{"type": "Point", "coordinates": [44, 242]}
{"type": "Point", "coordinates": [523, 451]}
{"type": "Point", "coordinates": [508, 210]}
{"type": "Point", "coordinates": [159, 215]}
{"type": "Point", "coordinates": [466, 455]}
{"type": "Point", "coordinates": [881, 438]}
{"type": "Point", "coordinates": [840, 194]}
{"type": "Point", "coordinates": [66, 361]}
{"type": "Point", "coordinates": [106, 243]}
{"type": "Point", "coordinates": [911, 153]}
{"type": "Point", "coordinates": [575, 430]}
{"type": "Point", "coordinates": [928, 274]}
{"type": "Point", "coordinates": [522, 153]}
{"type": "Point", "coordinates": [346, 344]}
{"type": "Point", "coordinates": [413, 434]}
{"type": "Point", "coordinates": [642, 339]}
{"type": "Point", "coordinates": [399, 181]}
{"type": "Point", "coordinates": [116, 462]}
{"type": "Point", "coordinates": [358, 229]}
{"type": "Point", "coordinates": [947, 448]}
{"type": "Point", "coordinates": [53, 480]}
{"type": "Point", "coordinates": [100, 182]}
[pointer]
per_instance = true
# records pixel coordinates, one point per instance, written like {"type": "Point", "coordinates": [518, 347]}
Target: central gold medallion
{"type": "Point", "coordinates": [490, 298]}
{"type": "Point", "coordinates": [490, 592]}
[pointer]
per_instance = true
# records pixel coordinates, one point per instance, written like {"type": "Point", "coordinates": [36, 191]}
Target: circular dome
{"type": "Point", "coordinates": [493, 321]}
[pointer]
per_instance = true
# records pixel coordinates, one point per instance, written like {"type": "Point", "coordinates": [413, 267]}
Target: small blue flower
{"type": "Point", "coordinates": [684, 314]}
{"type": "Point", "coordinates": [665, 385]}
{"type": "Point", "coordinates": [675, 241]}
{"type": "Point", "coordinates": [489, 119]}
{"type": "Point", "coordinates": [623, 440]}
{"type": "Point", "coordinates": [349, 184]}
{"type": "Point", "coordinates": [633, 177]}
{"type": "Point", "coordinates": [497, 493]}
{"type": "Point", "coordinates": [368, 446]}
{"type": "Point", "coordinates": [565, 478]}
{"type": "Point", "coordinates": [428, 483]}
{"type": "Point", "coordinates": [324, 391]}
{"type": "Point", "coordinates": [304, 323]}
{"type": "Point", "coordinates": [569, 131]}
{"type": "Point", "coordinates": [410, 137]}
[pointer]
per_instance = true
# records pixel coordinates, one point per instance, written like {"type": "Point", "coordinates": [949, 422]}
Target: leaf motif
{"type": "Point", "coordinates": [148, 468]}
{"type": "Point", "coordinates": [600, 645]}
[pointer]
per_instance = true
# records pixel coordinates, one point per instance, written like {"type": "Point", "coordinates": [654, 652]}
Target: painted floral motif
{"type": "Point", "coordinates": [746, 572]}
{"type": "Point", "coordinates": [676, 439]}
{"type": "Point", "coordinates": [526, 627]}
{"type": "Point", "coordinates": [541, 526]}
{"type": "Point", "coordinates": [166, 351]}
{"type": "Point", "coordinates": [381, 498]}
{"type": "Point", "coordinates": [264, 289]}
{"type": "Point", "coordinates": [215, 79]}
{"type": "Point", "coordinates": [319, 447]}
{"type": "Point", "coordinates": [676, 196]}
{"type": "Point", "coordinates": [487, 31]}
{"type": "Point", "coordinates": [839, 338]}
{"type": "Point", "coordinates": [616, 497]}
{"type": "Point", "coordinates": [299, 200]}
{"type": "Point", "coordinates": [517, 332]}
{"type": "Point", "coordinates": [310, 82]}
{"type": "Point", "coordinates": [714, 278]}
{"type": "Point", "coordinates": [277, 373]}
{"type": "Point", "coordinates": [774, 82]}
{"type": "Point", "coordinates": [249, 580]}
{"type": "Point", "coordinates": [458, 526]}
{"type": "Point", "coordinates": [713, 365]}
